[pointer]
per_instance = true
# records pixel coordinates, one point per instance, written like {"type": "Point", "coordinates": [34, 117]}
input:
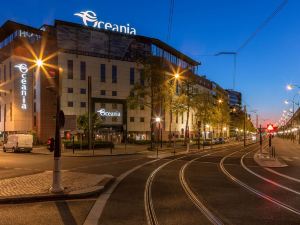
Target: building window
{"type": "Point", "coordinates": [70, 69]}
{"type": "Point", "coordinates": [34, 121]}
{"type": "Point", "coordinates": [114, 119]}
{"type": "Point", "coordinates": [4, 73]}
{"type": "Point", "coordinates": [70, 104]}
{"type": "Point", "coordinates": [142, 107]}
{"type": "Point", "coordinates": [10, 110]}
{"type": "Point", "coordinates": [0, 112]}
{"type": "Point", "coordinates": [34, 107]}
{"type": "Point", "coordinates": [131, 119]}
{"type": "Point", "coordinates": [142, 77]}
{"type": "Point", "coordinates": [34, 93]}
{"type": "Point", "coordinates": [10, 70]}
{"type": "Point", "coordinates": [142, 119]}
{"type": "Point", "coordinates": [70, 90]}
{"type": "Point", "coordinates": [82, 71]}
{"type": "Point", "coordinates": [131, 76]}
{"type": "Point", "coordinates": [177, 117]}
{"type": "Point", "coordinates": [82, 104]}
{"type": "Point", "coordinates": [102, 92]}
{"type": "Point", "coordinates": [82, 91]}
{"type": "Point", "coordinates": [182, 118]}
{"type": "Point", "coordinates": [114, 74]}
{"type": "Point", "coordinates": [114, 93]}
{"type": "Point", "coordinates": [114, 106]}
{"type": "Point", "coordinates": [102, 73]}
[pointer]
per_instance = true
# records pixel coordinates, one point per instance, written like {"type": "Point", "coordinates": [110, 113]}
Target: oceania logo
{"type": "Point", "coordinates": [90, 17]}
{"type": "Point", "coordinates": [22, 67]}
{"type": "Point", "coordinates": [103, 112]}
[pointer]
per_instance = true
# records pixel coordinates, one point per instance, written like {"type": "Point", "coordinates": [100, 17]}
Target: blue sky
{"type": "Point", "coordinates": [202, 28]}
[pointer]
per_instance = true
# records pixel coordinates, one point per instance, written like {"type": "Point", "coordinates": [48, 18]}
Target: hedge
{"type": "Point", "coordinates": [85, 145]}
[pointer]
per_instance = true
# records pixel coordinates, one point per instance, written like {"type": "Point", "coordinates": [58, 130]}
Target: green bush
{"type": "Point", "coordinates": [85, 145]}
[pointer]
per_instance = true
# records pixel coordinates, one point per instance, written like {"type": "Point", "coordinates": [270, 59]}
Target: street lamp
{"type": "Point", "coordinates": [292, 86]}
{"type": "Point", "coordinates": [56, 181]}
{"type": "Point", "coordinates": [158, 121]}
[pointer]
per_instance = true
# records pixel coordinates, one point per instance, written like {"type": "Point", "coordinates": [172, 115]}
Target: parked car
{"type": "Point", "coordinates": [18, 142]}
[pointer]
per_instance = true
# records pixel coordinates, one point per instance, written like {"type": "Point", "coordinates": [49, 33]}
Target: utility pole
{"type": "Point", "coordinates": [60, 120]}
{"type": "Point", "coordinates": [245, 117]}
{"type": "Point", "coordinates": [89, 111]}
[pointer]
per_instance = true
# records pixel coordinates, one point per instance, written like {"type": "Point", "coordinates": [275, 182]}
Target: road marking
{"type": "Point", "coordinates": [97, 210]}
{"type": "Point", "coordinates": [282, 175]}
{"type": "Point", "coordinates": [264, 178]}
{"type": "Point", "coordinates": [95, 213]}
{"type": "Point", "coordinates": [253, 190]}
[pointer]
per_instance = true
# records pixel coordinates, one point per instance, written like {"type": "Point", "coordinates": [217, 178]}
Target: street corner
{"type": "Point", "coordinates": [265, 160]}
{"type": "Point", "coordinates": [35, 188]}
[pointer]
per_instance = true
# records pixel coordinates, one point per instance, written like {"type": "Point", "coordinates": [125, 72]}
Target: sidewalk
{"type": "Point", "coordinates": [36, 187]}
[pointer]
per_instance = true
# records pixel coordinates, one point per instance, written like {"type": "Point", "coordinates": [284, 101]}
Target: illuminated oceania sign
{"type": "Point", "coordinates": [104, 113]}
{"type": "Point", "coordinates": [23, 90]}
{"type": "Point", "coordinates": [89, 18]}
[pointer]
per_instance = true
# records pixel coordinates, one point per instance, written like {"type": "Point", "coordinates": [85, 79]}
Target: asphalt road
{"type": "Point", "coordinates": [221, 186]}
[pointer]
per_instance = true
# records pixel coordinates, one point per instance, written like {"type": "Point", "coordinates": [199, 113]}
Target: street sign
{"type": "Point", "coordinates": [270, 127]}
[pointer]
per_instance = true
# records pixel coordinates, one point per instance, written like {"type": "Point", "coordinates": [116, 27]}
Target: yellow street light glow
{"type": "Point", "coordinates": [207, 125]}
{"type": "Point", "coordinates": [39, 62]}
{"type": "Point", "coordinates": [157, 119]}
{"type": "Point", "coordinates": [220, 101]}
{"type": "Point", "coordinates": [176, 75]}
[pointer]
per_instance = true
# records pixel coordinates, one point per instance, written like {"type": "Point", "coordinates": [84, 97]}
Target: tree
{"type": "Point", "coordinates": [83, 123]}
{"type": "Point", "coordinates": [151, 92]}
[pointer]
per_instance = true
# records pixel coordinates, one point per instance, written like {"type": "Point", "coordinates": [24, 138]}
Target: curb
{"type": "Point", "coordinates": [269, 162]}
{"type": "Point", "coordinates": [88, 192]}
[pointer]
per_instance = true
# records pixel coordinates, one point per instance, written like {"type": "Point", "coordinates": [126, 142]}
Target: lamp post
{"type": "Point", "coordinates": [293, 110]}
{"type": "Point", "coordinates": [158, 121]}
{"type": "Point", "coordinates": [56, 181]}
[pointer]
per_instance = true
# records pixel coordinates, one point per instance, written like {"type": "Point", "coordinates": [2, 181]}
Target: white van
{"type": "Point", "coordinates": [19, 142]}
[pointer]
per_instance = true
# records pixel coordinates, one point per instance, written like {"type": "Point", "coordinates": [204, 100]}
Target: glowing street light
{"type": "Point", "coordinates": [157, 119]}
{"type": "Point", "coordinates": [220, 101]}
{"type": "Point", "coordinates": [176, 75]}
{"type": "Point", "coordinates": [39, 63]}
{"type": "Point", "coordinates": [290, 87]}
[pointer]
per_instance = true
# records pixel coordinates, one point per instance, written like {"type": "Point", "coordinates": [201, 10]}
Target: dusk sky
{"type": "Point", "coordinates": [200, 29]}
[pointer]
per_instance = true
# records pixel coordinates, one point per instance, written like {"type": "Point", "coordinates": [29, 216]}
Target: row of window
{"type": "Point", "coordinates": [114, 72]}
{"type": "Point", "coordinates": [71, 104]}
{"type": "Point", "coordinates": [142, 119]}
{"type": "Point", "coordinates": [83, 91]}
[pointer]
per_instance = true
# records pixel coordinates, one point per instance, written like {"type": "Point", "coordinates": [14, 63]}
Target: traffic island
{"type": "Point", "coordinates": [265, 160]}
{"type": "Point", "coordinates": [33, 188]}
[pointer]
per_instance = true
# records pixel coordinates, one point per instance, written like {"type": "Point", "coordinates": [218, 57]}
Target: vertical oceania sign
{"type": "Point", "coordinates": [23, 68]}
{"type": "Point", "coordinates": [89, 18]}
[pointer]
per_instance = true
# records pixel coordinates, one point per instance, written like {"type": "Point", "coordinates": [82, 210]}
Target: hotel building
{"type": "Point", "coordinates": [111, 59]}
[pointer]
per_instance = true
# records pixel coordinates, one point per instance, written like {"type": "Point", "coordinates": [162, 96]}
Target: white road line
{"type": "Point", "coordinates": [282, 175]}
{"type": "Point", "coordinates": [264, 178]}
{"type": "Point", "coordinates": [253, 190]}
